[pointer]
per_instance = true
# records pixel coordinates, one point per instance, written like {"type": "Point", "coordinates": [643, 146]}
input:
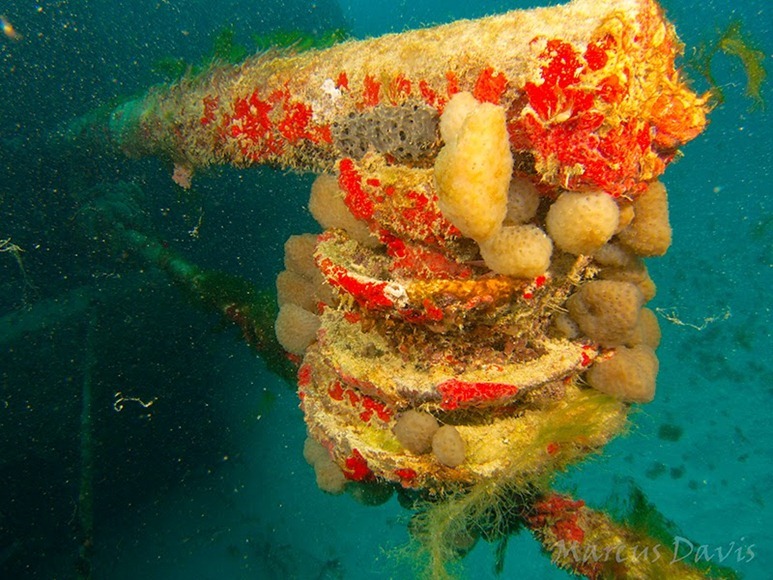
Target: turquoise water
{"type": "Point", "coordinates": [197, 447]}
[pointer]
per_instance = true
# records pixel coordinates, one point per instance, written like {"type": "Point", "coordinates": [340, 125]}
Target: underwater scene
{"type": "Point", "coordinates": [355, 290]}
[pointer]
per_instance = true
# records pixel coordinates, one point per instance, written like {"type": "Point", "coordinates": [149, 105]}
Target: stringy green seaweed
{"type": "Point", "coordinates": [225, 49]}
{"type": "Point", "coordinates": [734, 42]}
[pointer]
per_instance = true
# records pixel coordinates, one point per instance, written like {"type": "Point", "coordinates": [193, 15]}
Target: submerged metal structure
{"type": "Point", "coordinates": [473, 319]}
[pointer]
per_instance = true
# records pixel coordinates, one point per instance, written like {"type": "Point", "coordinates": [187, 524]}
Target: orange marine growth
{"type": "Point", "coordinates": [490, 87]}
{"type": "Point", "coordinates": [264, 127]}
{"type": "Point", "coordinates": [579, 124]}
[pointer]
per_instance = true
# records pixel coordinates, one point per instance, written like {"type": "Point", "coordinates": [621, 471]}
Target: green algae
{"type": "Point", "coordinates": [641, 515]}
{"type": "Point", "coordinates": [736, 43]}
{"type": "Point", "coordinates": [299, 41]}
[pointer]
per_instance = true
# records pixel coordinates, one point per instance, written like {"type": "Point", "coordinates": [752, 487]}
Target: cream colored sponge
{"type": "Point", "coordinates": [522, 251]}
{"type": "Point", "coordinates": [299, 255]}
{"type": "Point", "coordinates": [580, 223]}
{"type": "Point", "coordinates": [314, 451]}
{"type": "Point", "coordinates": [296, 328]}
{"type": "Point", "coordinates": [414, 431]}
{"type": "Point", "coordinates": [327, 206]}
{"type": "Point", "coordinates": [448, 446]}
{"type": "Point", "coordinates": [606, 310]}
{"type": "Point", "coordinates": [649, 234]}
{"type": "Point", "coordinates": [330, 478]}
{"type": "Point", "coordinates": [292, 288]}
{"type": "Point", "coordinates": [647, 330]}
{"type": "Point", "coordinates": [454, 115]}
{"type": "Point", "coordinates": [629, 375]}
{"type": "Point", "coordinates": [473, 169]}
{"type": "Point", "coordinates": [522, 201]}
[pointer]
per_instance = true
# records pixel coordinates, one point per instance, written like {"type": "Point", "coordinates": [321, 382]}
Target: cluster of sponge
{"type": "Point", "coordinates": [478, 194]}
{"type": "Point", "coordinates": [610, 313]}
{"type": "Point", "coordinates": [610, 310]}
{"type": "Point", "coordinates": [330, 477]}
{"type": "Point", "coordinates": [518, 231]}
{"type": "Point", "coordinates": [473, 173]}
{"type": "Point", "coordinates": [300, 287]}
{"type": "Point", "coordinates": [420, 433]}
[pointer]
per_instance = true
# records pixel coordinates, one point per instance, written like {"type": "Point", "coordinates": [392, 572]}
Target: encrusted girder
{"type": "Point", "coordinates": [478, 292]}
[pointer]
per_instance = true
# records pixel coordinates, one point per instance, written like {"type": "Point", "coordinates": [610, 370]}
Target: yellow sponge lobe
{"type": "Point", "coordinates": [296, 328]}
{"type": "Point", "coordinates": [606, 310]}
{"type": "Point", "coordinates": [292, 288]}
{"type": "Point", "coordinates": [649, 234]}
{"type": "Point", "coordinates": [299, 255]}
{"type": "Point", "coordinates": [414, 431]}
{"type": "Point", "coordinates": [522, 201]}
{"type": "Point", "coordinates": [522, 251]}
{"type": "Point", "coordinates": [448, 446]}
{"type": "Point", "coordinates": [454, 114]}
{"type": "Point", "coordinates": [580, 223]}
{"type": "Point", "coordinates": [329, 476]}
{"type": "Point", "coordinates": [647, 330]}
{"type": "Point", "coordinates": [629, 375]}
{"type": "Point", "coordinates": [473, 169]}
{"type": "Point", "coordinates": [327, 206]}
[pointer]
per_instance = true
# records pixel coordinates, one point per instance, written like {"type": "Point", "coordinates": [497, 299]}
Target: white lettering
{"type": "Point", "coordinates": [678, 541]}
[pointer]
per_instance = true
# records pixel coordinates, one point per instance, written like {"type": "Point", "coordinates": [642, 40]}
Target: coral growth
{"type": "Point", "coordinates": [489, 190]}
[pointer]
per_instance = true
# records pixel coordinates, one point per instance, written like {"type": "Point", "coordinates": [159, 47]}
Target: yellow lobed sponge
{"type": "Point", "coordinates": [292, 288]}
{"type": "Point", "coordinates": [454, 115]}
{"type": "Point", "coordinates": [327, 206]}
{"type": "Point", "coordinates": [606, 310]}
{"type": "Point", "coordinates": [636, 273]}
{"type": "Point", "coordinates": [299, 255]}
{"type": "Point", "coordinates": [296, 328]}
{"type": "Point", "coordinates": [649, 234]}
{"type": "Point", "coordinates": [580, 223]}
{"type": "Point", "coordinates": [522, 251]}
{"type": "Point", "coordinates": [448, 446]}
{"type": "Point", "coordinates": [330, 477]}
{"type": "Point", "coordinates": [522, 201]}
{"type": "Point", "coordinates": [647, 330]}
{"type": "Point", "coordinates": [414, 431]}
{"type": "Point", "coordinates": [474, 167]}
{"type": "Point", "coordinates": [629, 375]}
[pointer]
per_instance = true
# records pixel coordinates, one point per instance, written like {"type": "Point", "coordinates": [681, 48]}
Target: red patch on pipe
{"type": "Point", "coordinates": [370, 91]}
{"type": "Point", "coordinates": [356, 199]}
{"type": "Point", "coordinates": [489, 87]}
{"type": "Point", "coordinates": [458, 393]}
{"type": "Point", "coordinates": [356, 468]}
{"type": "Point", "coordinates": [342, 82]}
